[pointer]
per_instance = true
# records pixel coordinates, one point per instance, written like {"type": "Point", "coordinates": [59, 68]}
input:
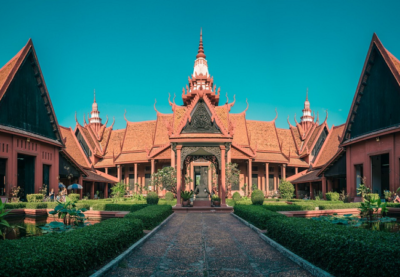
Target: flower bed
{"type": "Point", "coordinates": [340, 250]}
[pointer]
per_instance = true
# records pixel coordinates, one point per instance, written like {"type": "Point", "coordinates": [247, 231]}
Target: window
{"type": "Point", "coordinates": [271, 182]}
{"type": "Point", "coordinates": [131, 168]}
{"type": "Point", "coordinates": [131, 181]}
{"type": "Point", "coordinates": [271, 169]}
{"type": "Point", "coordinates": [254, 168]}
{"type": "Point", "coordinates": [147, 168]}
{"type": "Point", "coordinates": [147, 179]}
{"type": "Point", "coordinates": [254, 180]}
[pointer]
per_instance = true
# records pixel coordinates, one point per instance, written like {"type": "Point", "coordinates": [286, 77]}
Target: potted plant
{"type": "Point", "coordinates": [216, 201]}
{"type": "Point", "coordinates": [186, 195]}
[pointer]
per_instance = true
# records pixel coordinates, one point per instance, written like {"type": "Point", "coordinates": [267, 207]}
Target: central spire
{"type": "Point", "coordinates": [200, 53]}
{"type": "Point", "coordinates": [200, 64]}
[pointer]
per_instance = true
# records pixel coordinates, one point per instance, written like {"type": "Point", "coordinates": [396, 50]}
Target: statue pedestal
{"type": "Point", "coordinates": [201, 203]}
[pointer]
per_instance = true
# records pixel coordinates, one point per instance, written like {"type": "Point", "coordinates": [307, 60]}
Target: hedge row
{"type": "Point", "coordinates": [69, 253]}
{"type": "Point", "coordinates": [256, 215]}
{"type": "Point", "coordinates": [40, 205]}
{"type": "Point", "coordinates": [117, 207]}
{"type": "Point", "coordinates": [329, 206]}
{"type": "Point", "coordinates": [152, 215]}
{"type": "Point", "coordinates": [340, 250]}
{"type": "Point", "coordinates": [293, 207]}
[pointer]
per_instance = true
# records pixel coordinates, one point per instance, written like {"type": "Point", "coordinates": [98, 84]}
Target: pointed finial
{"type": "Point", "coordinates": [200, 53]}
{"type": "Point", "coordinates": [307, 95]}
{"type": "Point", "coordinates": [94, 95]}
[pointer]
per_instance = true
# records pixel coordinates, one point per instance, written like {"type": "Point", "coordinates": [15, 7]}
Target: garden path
{"type": "Point", "coordinates": [197, 244]}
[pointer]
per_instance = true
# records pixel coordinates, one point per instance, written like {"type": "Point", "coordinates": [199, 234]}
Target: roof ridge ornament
{"type": "Point", "coordinates": [200, 52]}
{"type": "Point", "coordinates": [125, 117]}
{"type": "Point", "coordinates": [276, 111]}
{"type": "Point", "coordinates": [290, 125]}
{"type": "Point", "coordinates": [76, 119]}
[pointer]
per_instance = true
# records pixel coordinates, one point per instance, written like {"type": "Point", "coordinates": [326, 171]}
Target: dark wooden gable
{"type": "Point", "coordinates": [25, 104]}
{"type": "Point", "coordinates": [376, 104]}
{"type": "Point", "coordinates": [318, 145]}
{"type": "Point", "coordinates": [201, 120]}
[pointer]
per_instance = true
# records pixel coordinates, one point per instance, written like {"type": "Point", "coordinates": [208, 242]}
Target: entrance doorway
{"type": "Point", "coordinates": [380, 173]}
{"type": "Point", "coordinates": [26, 175]}
{"type": "Point", "coordinates": [201, 182]}
{"type": "Point", "coordinates": [3, 163]}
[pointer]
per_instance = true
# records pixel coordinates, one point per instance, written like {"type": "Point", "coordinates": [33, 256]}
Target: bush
{"type": "Point", "coordinates": [329, 206]}
{"type": "Point", "coordinates": [36, 205]}
{"type": "Point", "coordinates": [372, 196]}
{"type": "Point", "coordinates": [78, 251]}
{"type": "Point", "coordinates": [169, 196]}
{"type": "Point", "coordinates": [295, 207]}
{"type": "Point", "coordinates": [332, 196]}
{"type": "Point", "coordinates": [256, 215]}
{"type": "Point", "coordinates": [151, 216]}
{"type": "Point", "coordinates": [286, 189]}
{"type": "Point", "coordinates": [118, 207]}
{"type": "Point", "coordinates": [236, 196]}
{"type": "Point", "coordinates": [350, 250]}
{"type": "Point", "coordinates": [34, 197]}
{"type": "Point", "coordinates": [243, 202]}
{"type": "Point", "coordinates": [74, 196]}
{"type": "Point", "coordinates": [257, 197]}
{"type": "Point", "coordinates": [19, 205]}
{"type": "Point", "coordinates": [152, 198]}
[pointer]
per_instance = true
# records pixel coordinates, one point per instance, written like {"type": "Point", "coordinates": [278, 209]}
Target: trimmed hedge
{"type": "Point", "coordinates": [351, 251]}
{"type": "Point", "coordinates": [236, 196]}
{"type": "Point", "coordinates": [256, 215]}
{"type": "Point", "coordinates": [117, 207]}
{"type": "Point", "coordinates": [393, 205]}
{"type": "Point", "coordinates": [152, 215]}
{"type": "Point", "coordinates": [257, 197]}
{"type": "Point", "coordinates": [169, 196]}
{"type": "Point", "coordinates": [74, 196]}
{"type": "Point", "coordinates": [329, 206]}
{"type": "Point", "coordinates": [152, 198]}
{"type": "Point", "coordinates": [19, 205]}
{"type": "Point", "coordinates": [77, 251]}
{"type": "Point", "coordinates": [332, 196]}
{"type": "Point", "coordinates": [285, 207]}
{"type": "Point", "coordinates": [34, 197]}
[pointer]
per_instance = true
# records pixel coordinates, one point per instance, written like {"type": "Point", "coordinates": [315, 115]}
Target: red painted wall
{"type": "Point", "coordinates": [360, 153]}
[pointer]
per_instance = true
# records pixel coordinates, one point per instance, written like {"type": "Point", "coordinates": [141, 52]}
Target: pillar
{"type": "Point", "coordinates": [296, 170]}
{"type": "Point", "coordinates": [250, 176]}
{"type": "Point", "coordinates": [105, 190]}
{"type": "Point", "coordinates": [92, 191]}
{"type": "Point", "coordinates": [119, 173]}
{"type": "Point", "coordinates": [106, 170]}
{"type": "Point", "coordinates": [329, 181]}
{"type": "Point", "coordinates": [324, 186]}
{"type": "Point", "coordinates": [80, 182]}
{"type": "Point", "coordinates": [223, 188]}
{"type": "Point", "coordinates": [152, 171]}
{"type": "Point", "coordinates": [267, 178]}
{"type": "Point", "coordinates": [297, 191]}
{"type": "Point", "coordinates": [135, 176]}
{"type": "Point", "coordinates": [178, 176]}
{"type": "Point", "coordinates": [172, 158]}
{"type": "Point", "coordinates": [311, 191]}
{"type": "Point", "coordinates": [283, 173]}
{"type": "Point", "coordinates": [192, 176]}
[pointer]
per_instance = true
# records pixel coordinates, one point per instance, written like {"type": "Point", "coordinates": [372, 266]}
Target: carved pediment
{"type": "Point", "coordinates": [201, 121]}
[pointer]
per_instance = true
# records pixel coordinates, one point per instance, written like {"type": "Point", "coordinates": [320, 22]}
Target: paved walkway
{"type": "Point", "coordinates": [206, 245]}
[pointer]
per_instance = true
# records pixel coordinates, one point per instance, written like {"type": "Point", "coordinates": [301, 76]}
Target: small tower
{"type": "Point", "coordinates": [95, 120]}
{"type": "Point", "coordinates": [307, 121]}
{"type": "Point", "coordinates": [200, 64]}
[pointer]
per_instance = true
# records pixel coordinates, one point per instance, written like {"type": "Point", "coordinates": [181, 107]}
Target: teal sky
{"type": "Point", "coordinates": [133, 52]}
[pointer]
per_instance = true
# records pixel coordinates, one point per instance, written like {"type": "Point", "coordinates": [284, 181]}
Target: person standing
{"type": "Point", "coordinates": [51, 194]}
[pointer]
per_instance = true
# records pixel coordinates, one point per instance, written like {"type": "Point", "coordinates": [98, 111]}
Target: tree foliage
{"type": "Point", "coordinates": [286, 189]}
{"type": "Point", "coordinates": [232, 174]}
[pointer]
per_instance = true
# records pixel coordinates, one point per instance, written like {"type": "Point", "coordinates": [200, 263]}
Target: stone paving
{"type": "Point", "coordinates": [197, 244]}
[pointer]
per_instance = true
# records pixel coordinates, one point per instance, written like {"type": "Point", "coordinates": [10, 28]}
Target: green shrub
{"type": "Point", "coordinates": [295, 207]}
{"type": "Point", "coordinates": [329, 206]}
{"type": "Point", "coordinates": [34, 197]}
{"type": "Point", "coordinates": [152, 198]}
{"type": "Point", "coordinates": [243, 202]}
{"type": "Point", "coordinates": [118, 207]}
{"type": "Point", "coordinates": [19, 205]}
{"type": "Point", "coordinates": [256, 215]}
{"type": "Point", "coordinates": [350, 250]}
{"type": "Point", "coordinates": [392, 205]}
{"type": "Point", "coordinates": [74, 196]}
{"type": "Point", "coordinates": [152, 215]}
{"type": "Point", "coordinates": [36, 205]}
{"type": "Point", "coordinates": [169, 196]}
{"type": "Point", "coordinates": [78, 251]}
{"type": "Point", "coordinates": [332, 196]}
{"type": "Point", "coordinates": [257, 197]}
{"type": "Point", "coordinates": [286, 189]}
{"type": "Point", "coordinates": [372, 196]}
{"type": "Point", "coordinates": [236, 196]}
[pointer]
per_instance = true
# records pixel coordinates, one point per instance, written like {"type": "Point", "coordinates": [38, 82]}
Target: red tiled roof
{"type": "Point", "coordinates": [305, 177]}
{"type": "Point", "coordinates": [240, 129]}
{"type": "Point", "coordinates": [114, 144]}
{"type": "Point", "coordinates": [263, 135]}
{"type": "Point", "coordinates": [237, 154]}
{"type": "Point", "coordinates": [72, 147]}
{"type": "Point", "coordinates": [314, 136]}
{"type": "Point", "coordinates": [297, 137]}
{"type": "Point", "coordinates": [277, 157]}
{"type": "Point", "coordinates": [104, 139]}
{"type": "Point", "coordinates": [331, 146]}
{"type": "Point", "coordinates": [98, 176]}
{"type": "Point", "coordinates": [88, 138]}
{"type": "Point", "coordinates": [222, 113]}
{"type": "Point", "coordinates": [286, 139]}
{"type": "Point", "coordinates": [179, 113]}
{"type": "Point", "coordinates": [161, 136]}
{"type": "Point", "coordinates": [107, 162]}
{"type": "Point", "coordinates": [297, 162]}
{"type": "Point", "coordinates": [5, 71]}
{"type": "Point", "coordinates": [139, 136]}
{"type": "Point", "coordinates": [132, 157]}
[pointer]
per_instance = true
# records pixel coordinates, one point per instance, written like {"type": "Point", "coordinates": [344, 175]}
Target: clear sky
{"type": "Point", "coordinates": [133, 52]}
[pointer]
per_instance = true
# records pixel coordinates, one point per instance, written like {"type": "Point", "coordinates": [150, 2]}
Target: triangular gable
{"type": "Point", "coordinates": [25, 103]}
{"type": "Point", "coordinates": [201, 120]}
{"type": "Point", "coordinates": [375, 103]}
